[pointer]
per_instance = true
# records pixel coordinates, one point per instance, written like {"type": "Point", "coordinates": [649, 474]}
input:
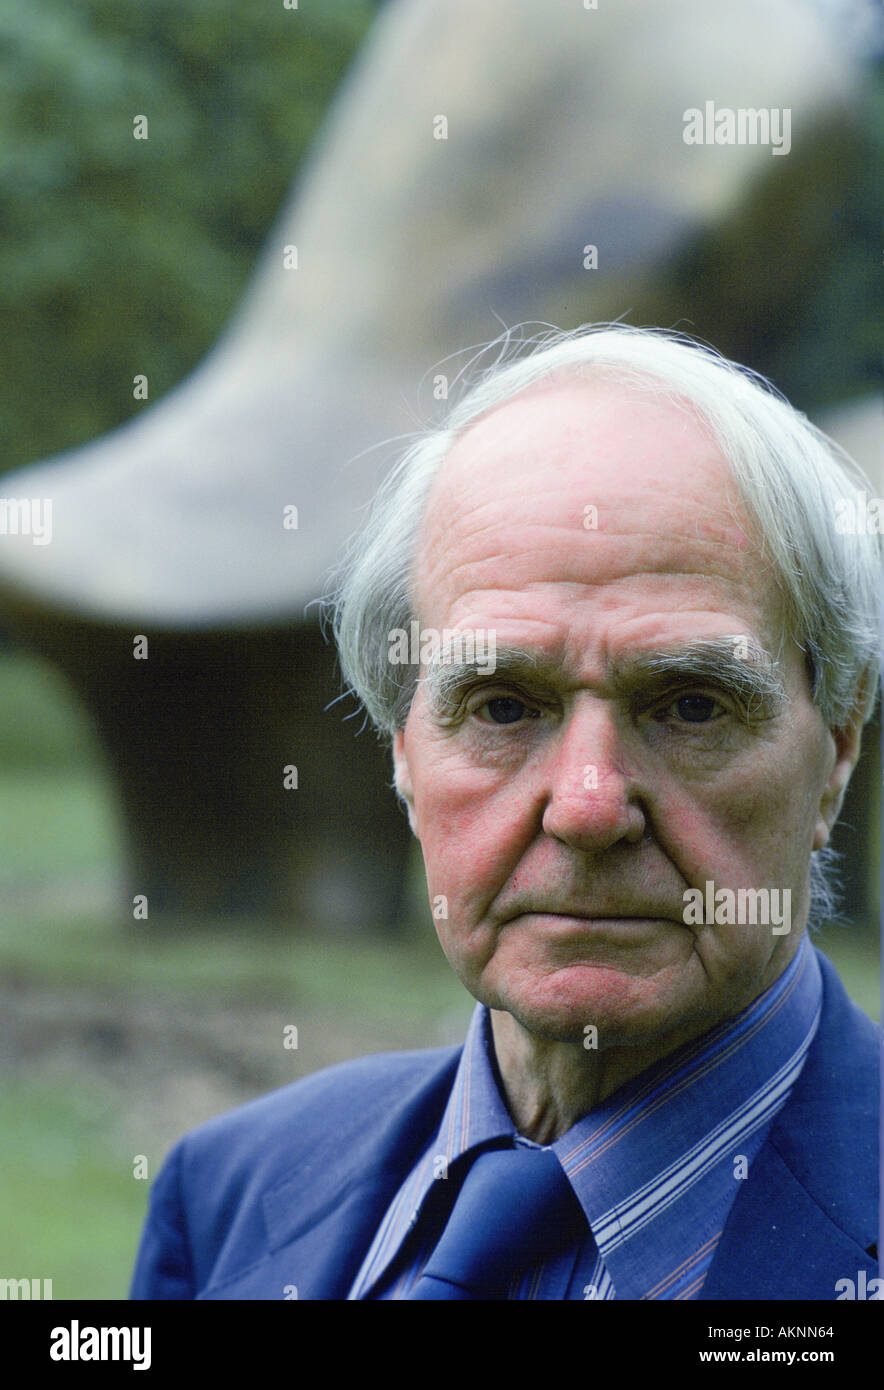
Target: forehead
{"type": "Point", "coordinates": [577, 495]}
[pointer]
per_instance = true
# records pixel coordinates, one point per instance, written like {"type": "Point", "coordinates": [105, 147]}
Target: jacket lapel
{"type": "Point", "coordinates": [780, 1244]}
{"type": "Point", "coordinates": [803, 1219]}
{"type": "Point", "coordinates": [322, 1261]}
{"type": "Point", "coordinates": [321, 1219]}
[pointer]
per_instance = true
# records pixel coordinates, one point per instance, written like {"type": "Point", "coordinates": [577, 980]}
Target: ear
{"type": "Point", "coordinates": [847, 742]}
{"type": "Point", "coordinates": [402, 776]}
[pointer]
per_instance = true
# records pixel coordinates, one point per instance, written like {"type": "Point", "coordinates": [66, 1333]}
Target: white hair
{"type": "Point", "coordinates": [790, 476]}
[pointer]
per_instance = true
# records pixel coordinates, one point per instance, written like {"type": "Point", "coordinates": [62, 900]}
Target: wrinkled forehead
{"type": "Point", "coordinates": [594, 485]}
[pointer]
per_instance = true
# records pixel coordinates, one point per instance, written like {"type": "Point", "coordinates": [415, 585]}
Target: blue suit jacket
{"type": "Point", "coordinates": [287, 1191]}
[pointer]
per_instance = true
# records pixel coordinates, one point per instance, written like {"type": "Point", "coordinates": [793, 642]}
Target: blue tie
{"type": "Point", "coordinates": [514, 1210]}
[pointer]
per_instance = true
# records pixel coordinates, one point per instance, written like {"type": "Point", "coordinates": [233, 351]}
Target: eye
{"type": "Point", "coordinates": [506, 709]}
{"type": "Point", "coordinates": [695, 709]}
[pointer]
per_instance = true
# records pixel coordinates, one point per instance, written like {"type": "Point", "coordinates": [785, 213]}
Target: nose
{"type": "Point", "coordinates": [592, 800]}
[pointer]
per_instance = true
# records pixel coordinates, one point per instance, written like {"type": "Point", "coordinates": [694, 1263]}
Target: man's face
{"type": "Point", "coordinates": [565, 805]}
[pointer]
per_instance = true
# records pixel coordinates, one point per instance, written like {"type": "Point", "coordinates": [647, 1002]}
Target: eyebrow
{"type": "Point", "coordinates": [736, 663]}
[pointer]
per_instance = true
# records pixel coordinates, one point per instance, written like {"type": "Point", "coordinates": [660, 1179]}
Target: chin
{"type": "Point", "coordinates": [626, 1010]}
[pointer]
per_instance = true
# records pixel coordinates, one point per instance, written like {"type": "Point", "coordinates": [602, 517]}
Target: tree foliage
{"type": "Point", "coordinates": [107, 241]}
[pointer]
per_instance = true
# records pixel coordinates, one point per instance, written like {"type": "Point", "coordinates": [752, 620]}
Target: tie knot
{"type": "Point", "coordinates": [515, 1209]}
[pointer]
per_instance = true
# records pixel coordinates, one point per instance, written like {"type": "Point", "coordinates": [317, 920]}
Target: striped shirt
{"type": "Point", "coordinates": [655, 1168]}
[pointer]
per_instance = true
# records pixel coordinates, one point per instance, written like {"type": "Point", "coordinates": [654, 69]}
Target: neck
{"type": "Point", "coordinates": [548, 1086]}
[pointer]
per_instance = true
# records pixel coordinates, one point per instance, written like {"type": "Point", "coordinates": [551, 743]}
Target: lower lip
{"type": "Point", "coordinates": [595, 926]}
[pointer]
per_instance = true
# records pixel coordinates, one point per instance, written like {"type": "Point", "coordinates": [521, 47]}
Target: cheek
{"type": "Point", "coordinates": [473, 830]}
{"type": "Point", "coordinates": [457, 803]}
{"type": "Point", "coordinates": [471, 833]}
{"type": "Point", "coordinates": [751, 826]}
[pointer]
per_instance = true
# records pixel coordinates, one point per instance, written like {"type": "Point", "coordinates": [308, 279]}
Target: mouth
{"type": "Point", "coordinates": [579, 912]}
{"type": "Point", "coordinates": [621, 925]}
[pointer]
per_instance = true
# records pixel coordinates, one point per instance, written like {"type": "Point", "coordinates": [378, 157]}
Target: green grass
{"type": "Point", "coordinates": [70, 1205]}
{"type": "Point", "coordinates": [382, 977]}
{"type": "Point", "coordinates": [55, 822]}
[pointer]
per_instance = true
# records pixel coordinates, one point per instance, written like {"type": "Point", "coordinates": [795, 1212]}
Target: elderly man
{"type": "Point", "coordinates": [624, 654]}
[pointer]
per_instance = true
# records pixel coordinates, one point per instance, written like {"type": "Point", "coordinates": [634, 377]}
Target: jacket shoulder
{"type": "Point", "coordinates": [314, 1133]}
{"type": "Point", "coordinates": [351, 1095]}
